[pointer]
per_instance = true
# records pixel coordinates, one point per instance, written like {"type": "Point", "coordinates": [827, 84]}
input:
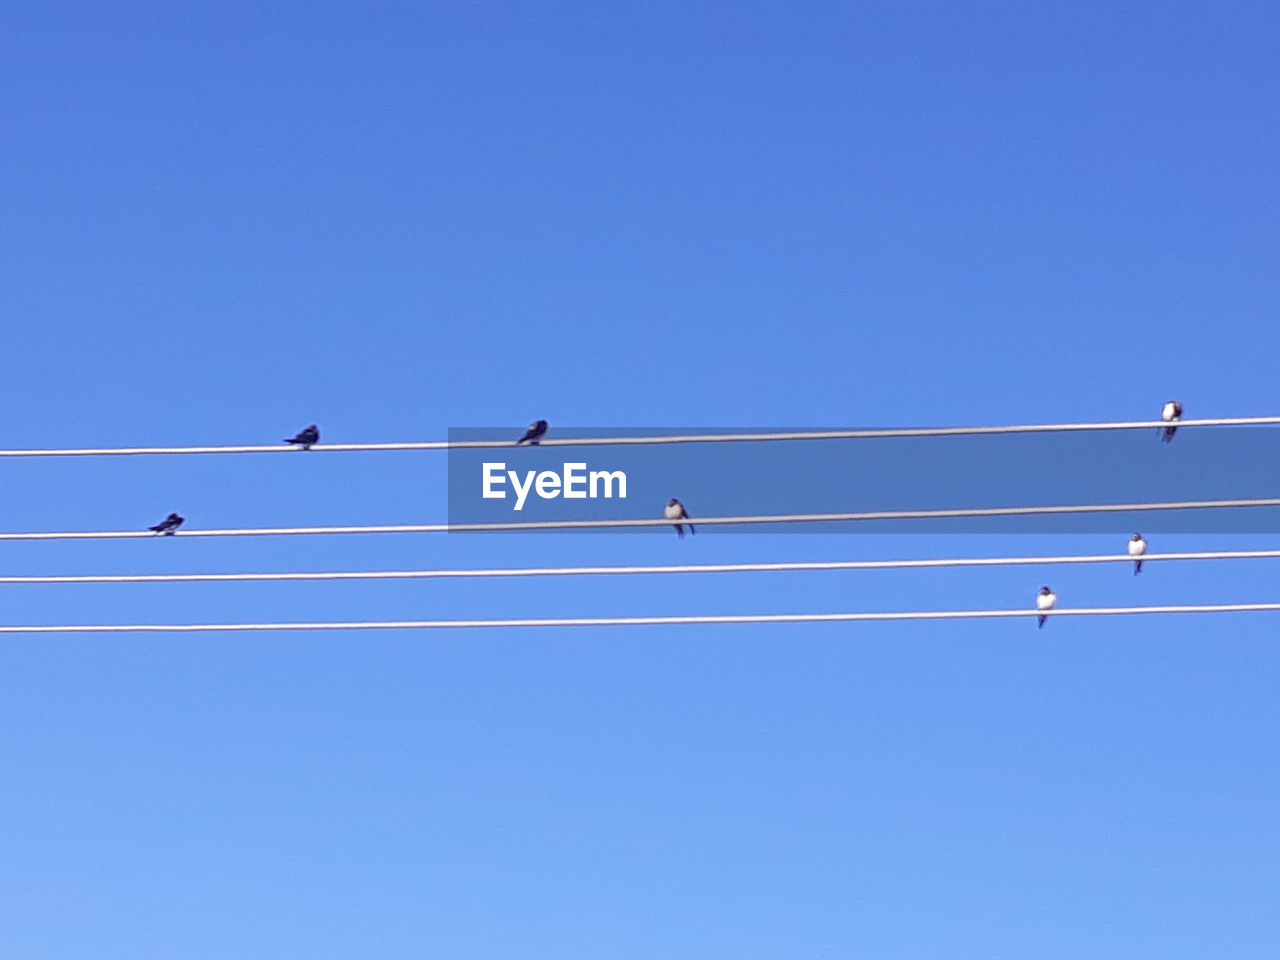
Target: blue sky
{"type": "Point", "coordinates": [224, 224]}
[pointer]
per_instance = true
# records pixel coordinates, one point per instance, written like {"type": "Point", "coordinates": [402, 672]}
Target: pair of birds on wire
{"type": "Point", "coordinates": [1171, 413]}
{"type": "Point", "coordinates": [304, 438]}
{"type": "Point", "coordinates": [310, 435]}
{"type": "Point", "coordinates": [1046, 599]}
{"type": "Point", "coordinates": [674, 510]}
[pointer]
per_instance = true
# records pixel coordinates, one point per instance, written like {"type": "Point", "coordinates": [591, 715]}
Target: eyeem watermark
{"type": "Point", "coordinates": [573, 482]}
{"type": "Point", "coordinates": [894, 474]}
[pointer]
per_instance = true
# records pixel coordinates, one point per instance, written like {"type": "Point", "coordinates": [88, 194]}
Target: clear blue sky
{"type": "Point", "coordinates": [221, 224]}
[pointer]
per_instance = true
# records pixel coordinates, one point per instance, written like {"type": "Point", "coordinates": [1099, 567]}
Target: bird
{"type": "Point", "coordinates": [1171, 414]}
{"type": "Point", "coordinates": [537, 430]}
{"type": "Point", "coordinates": [674, 510]}
{"type": "Point", "coordinates": [1137, 547]}
{"type": "Point", "coordinates": [1045, 600]}
{"type": "Point", "coordinates": [305, 438]}
{"type": "Point", "coordinates": [169, 524]}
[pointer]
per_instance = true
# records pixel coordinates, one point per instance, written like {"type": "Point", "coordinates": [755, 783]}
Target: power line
{"type": "Point", "coordinates": [643, 441]}
{"type": "Point", "coordinates": [635, 621]}
{"type": "Point", "coordinates": [817, 565]}
{"type": "Point", "coordinates": [662, 522]}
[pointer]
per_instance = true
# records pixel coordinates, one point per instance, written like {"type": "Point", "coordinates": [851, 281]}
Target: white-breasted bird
{"type": "Point", "coordinates": [674, 510]}
{"type": "Point", "coordinates": [537, 430]}
{"type": "Point", "coordinates": [1137, 547]}
{"type": "Point", "coordinates": [1171, 414]}
{"type": "Point", "coordinates": [1045, 600]}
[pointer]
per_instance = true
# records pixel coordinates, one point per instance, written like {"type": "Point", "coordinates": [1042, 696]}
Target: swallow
{"type": "Point", "coordinates": [1045, 600]}
{"type": "Point", "coordinates": [305, 438]}
{"type": "Point", "coordinates": [1137, 547]}
{"type": "Point", "coordinates": [1171, 414]}
{"type": "Point", "coordinates": [674, 510]}
{"type": "Point", "coordinates": [537, 430]}
{"type": "Point", "coordinates": [169, 524]}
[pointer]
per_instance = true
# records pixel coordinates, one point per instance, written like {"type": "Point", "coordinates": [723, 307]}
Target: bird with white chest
{"type": "Point", "coordinates": [674, 510]}
{"type": "Point", "coordinates": [1046, 599]}
{"type": "Point", "coordinates": [1137, 549]}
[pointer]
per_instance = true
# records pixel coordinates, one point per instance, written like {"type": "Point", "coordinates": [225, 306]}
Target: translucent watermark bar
{"type": "Point", "coordinates": [531, 482]}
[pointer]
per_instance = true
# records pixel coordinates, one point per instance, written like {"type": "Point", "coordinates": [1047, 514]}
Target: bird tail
{"type": "Point", "coordinates": [1137, 567]}
{"type": "Point", "coordinates": [1040, 621]}
{"type": "Point", "coordinates": [679, 531]}
{"type": "Point", "coordinates": [293, 440]}
{"type": "Point", "coordinates": [1168, 434]}
{"type": "Point", "coordinates": [691, 530]}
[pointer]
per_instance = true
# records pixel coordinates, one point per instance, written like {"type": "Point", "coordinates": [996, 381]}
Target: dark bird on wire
{"type": "Point", "coordinates": [1137, 547]}
{"type": "Point", "coordinates": [305, 438]}
{"type": "Point", "coordinates": [1045, 600]}
{"type": "Point", "coordinates": [169, 524]}
{"type": "Point", "coordinates": [674, 510]}
{"type": "Point", "coordinates": [537, 430]}
{"type": "Point", "coordinates": [1171, 414]}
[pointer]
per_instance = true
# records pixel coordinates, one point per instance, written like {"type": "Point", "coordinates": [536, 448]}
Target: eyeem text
{"type": "Point", "coordinates": [573, 482]}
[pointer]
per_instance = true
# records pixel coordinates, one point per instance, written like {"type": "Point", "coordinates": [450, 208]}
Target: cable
{"type": "Point", "coordinates": [661, 521]}
{"type": "Point", "coordinates": [642, 441]}
{"type": "Point", "coordinates": [635, 621]}
{"type": "Point", "coordinates": [630, 570]}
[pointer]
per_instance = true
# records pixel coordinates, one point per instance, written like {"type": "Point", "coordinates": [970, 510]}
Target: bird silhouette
{"type": "Point", "coordinates": [306, 437]}
{"type": "Point", "coordinates": [168, 525]}
{"type": "Point", "coordinates": [537, 430]}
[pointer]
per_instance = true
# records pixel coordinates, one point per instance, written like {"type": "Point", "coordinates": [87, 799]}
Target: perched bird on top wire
{"type": "Point", "coordinates": [537, 430]}
{"type": "Point", "coordinates": [1045, 601]}
{"type": "Point", "coordinates": [306, 437]}
{"type": "Point", "coordinates": [674, 510]}
{"type": "Point", "coordinates": [1137, 547]}
{"type": "Point", "coordinates": [1171, 414]}
{"type": "Point", "coordinates": [169, 524]}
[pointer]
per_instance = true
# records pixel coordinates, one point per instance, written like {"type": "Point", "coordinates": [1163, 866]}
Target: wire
{"type": "Point", "coordinates": [630, 570]}
{"type": "Point", "coordinates": [642, 441]}
{"type": "Point", "coordinates": [634, 621]}
{"type": "Point", "coordinates": [659, 522]}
